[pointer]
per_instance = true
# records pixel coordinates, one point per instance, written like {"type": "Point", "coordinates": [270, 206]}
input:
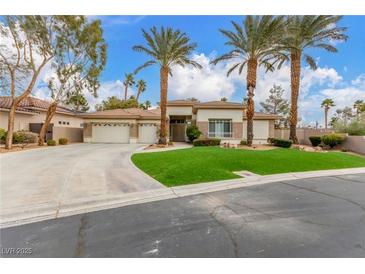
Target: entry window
{"type": "Point", "coordinates": [220, 128]}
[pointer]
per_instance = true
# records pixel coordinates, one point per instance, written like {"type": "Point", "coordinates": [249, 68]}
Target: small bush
{"type": "Point", "coordinates": [282, 143]}
{"type": "Point", "coordinates": [332, 140]}
{"type": "Point", "coordinates": [2, 134]}
{"type": "Point", "coordinates": [63, 141]}
{"type": "Point", "coordinates": [19, 137]}
{"type": "Point", "coordinates": [243, 142]}
{"type": "Point", "coordinates": [193, 132]}
{"type": "Point", "coordinates": [206, 142]}
{"type": "Point", "coordinates": [51, 143]}
{"type": "Point", "coordinates": [315, 140]}
{"type": "Point", "coordinates": [356, 127]}
{"type": "Point", "coordinates": [270, 140]}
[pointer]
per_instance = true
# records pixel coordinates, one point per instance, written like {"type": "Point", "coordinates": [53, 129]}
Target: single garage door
{"type": "Point", "coordinates": [147, 134]}
{"type": "Point", "coordinates": [110, 133]}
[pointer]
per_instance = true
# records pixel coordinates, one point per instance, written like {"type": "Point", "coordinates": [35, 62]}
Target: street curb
{"type": "Point", "coordinates": [81, 206]}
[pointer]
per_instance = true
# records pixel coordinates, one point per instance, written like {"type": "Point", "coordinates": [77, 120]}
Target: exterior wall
{"type": "Point", "coordinates": [203, 127]}
{"type": "Point", "coordinates": [179, 110]}
{"type": "Point", "coordinates": [271, 128]}
{"type": "Point", "coordinates": [355, 144]}
{"type": "Point", "coordinates": [203, 115]}
{"type": "Point", "coordinates": [303, 134]}
{"type": "Point", "coordinates": [21, 120]}
{"type": "Point", "coordinates": [237, 130]}
{"type": "Point", "coordinates": [133, 133]}
{"type": "Point", "coordinates": [73, 135]}
{"type": "Point", "coordinates": [261, 131]}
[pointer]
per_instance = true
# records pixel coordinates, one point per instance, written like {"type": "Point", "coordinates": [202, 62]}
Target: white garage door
{"type": "Point", "coordinates": [260, 131]}
{"type": "Point", "coordinates": [147, 134]}
{"type": "Point", "coordinates": [110, 134]}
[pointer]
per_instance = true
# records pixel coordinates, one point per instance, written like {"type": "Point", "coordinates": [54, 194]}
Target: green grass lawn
{"type": "Point", "coordinates": [204, 164]}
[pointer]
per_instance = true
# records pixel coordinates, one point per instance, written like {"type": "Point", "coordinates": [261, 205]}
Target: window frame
{"type": "Point", "coordinates": [221, 123]}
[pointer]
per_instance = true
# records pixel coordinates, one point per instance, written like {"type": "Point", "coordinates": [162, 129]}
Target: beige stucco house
{"type": "Point", "coordinates": [31, 113]}
{"type": "Point", "coordinates": [224, 120]}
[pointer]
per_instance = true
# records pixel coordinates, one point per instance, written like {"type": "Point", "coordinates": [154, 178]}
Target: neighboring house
{"type": "Point", "coordinates": [224, 120]}
{"type": "Point", "coordinates": [31, 113]}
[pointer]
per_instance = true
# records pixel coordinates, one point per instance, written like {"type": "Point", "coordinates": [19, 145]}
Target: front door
{"type": "Point", "coordinates": [178, 132]}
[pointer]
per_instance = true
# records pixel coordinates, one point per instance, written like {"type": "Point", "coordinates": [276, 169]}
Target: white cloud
{"type": "Point", "coordinates": [208, 83]}
{"type": "Point", "coordinates": [114, 20]}
{"type": "Point", "coordinates": [359, 81]}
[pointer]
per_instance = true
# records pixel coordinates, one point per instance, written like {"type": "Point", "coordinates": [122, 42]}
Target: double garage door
{"type": "Point", "coordinates": [120, 134]}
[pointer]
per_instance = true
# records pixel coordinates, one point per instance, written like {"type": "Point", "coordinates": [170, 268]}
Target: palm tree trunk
{"type": "Point", "coordinates": [125, 92]}
{"type": "Point", "coordinates": [325, 117]}
{"type": "Point", "coordinates": [164, 76]}
{"type": "Point", "coordinates": [138, 93]}
{"type": "Point", "coordinates": [295, 57]}
{"type": "Point", "coordinates": [50, 112]}
{"type": "Point", "coordinates": [251, 84]}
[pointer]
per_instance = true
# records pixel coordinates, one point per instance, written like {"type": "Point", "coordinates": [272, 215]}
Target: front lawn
{"type": "Point", "coordinates": [204, 164]}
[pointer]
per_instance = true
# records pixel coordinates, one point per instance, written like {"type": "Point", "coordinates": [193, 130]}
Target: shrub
{"type": "Point", "coordinates": [206, 142]}
{"type": "Point", "coordinates": [315, 140]}
{"type": "Point", "coordinates": [51, 143]}
{"type": "Point", "coordinates": [2, 134]}
{"type": "Point", "coordinates": [63, 141]}
{"type": "Point", "coordinates": [282, 143]}
{"type": "Point", "coordinates": [193, 132]}
{"type": "Point", "coordinates": [270, 140]}
{"type": "Point", "coordinates": [19, 137]}
{"type": "Point", "coordinates": [355, 127]}
{"type": "Point", "coordinates": [332, 140]}
{"type": "Point", "coordinates": [243, 142]}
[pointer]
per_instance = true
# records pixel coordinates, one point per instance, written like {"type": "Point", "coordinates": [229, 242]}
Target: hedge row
{"type": "Point", "coordinates": [206, 142]}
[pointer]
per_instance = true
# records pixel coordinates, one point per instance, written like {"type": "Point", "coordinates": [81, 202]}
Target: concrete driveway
{"type": "Point", "coordinates": [41, 178]}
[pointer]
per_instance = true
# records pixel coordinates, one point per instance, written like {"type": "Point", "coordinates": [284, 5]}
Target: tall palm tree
{"type": "Point", "coordinates": [254, 44]}
{"type": "Point", "coordinates": [327, 104]}
{"type": "Point", "coordinates": [167, 48]}
{"type": "Point", "coordinates": [359, 106]}
{"type": "Point", "coordinates": [303, 33]}
{"type": "Point", "coordinates": [128, 82]}
{"type": "Point", "coordinates": [141, 87]}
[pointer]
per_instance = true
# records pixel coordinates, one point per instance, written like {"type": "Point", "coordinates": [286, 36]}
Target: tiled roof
{"type": "Point", "coordinates": [219, 105]}
{"type": "Point", "coordinates": [132, 113]}
{"type": "Point", "coordinates": [181, 103]}
{"type": "Point", "coordinates": [31, 104]}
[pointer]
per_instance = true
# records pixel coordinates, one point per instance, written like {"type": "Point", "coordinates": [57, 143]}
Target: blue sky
{"type": "Point", "coordinates": [341, 76]}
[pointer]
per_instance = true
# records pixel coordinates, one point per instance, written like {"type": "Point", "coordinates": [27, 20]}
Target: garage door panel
{"type": "Point", "coordinates": [110, 134]}
{"type": "Point", "coordinates": [260, 131]}
{"type": "Point", "coordinates": [147, 134]}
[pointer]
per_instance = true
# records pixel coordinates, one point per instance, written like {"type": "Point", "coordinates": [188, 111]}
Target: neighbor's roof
{"type": "Point", "coordinates": [31, 105]}
{"type": "Point", "coordinates": [129, 113]}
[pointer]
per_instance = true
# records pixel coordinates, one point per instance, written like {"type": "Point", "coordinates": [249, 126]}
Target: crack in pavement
{"type": "Point", "coordinates": [81, 237]}
{"type": "Point", "coordinates": [326, 194]}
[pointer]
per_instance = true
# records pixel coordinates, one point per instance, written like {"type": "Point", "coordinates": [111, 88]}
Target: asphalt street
{"type": "Point", "coordinates": [318, 217]}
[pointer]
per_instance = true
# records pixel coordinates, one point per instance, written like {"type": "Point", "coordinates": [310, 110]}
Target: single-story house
{"type": "Point", "coordinates": [224, 120]}
{"type": "Point", "coordinates": [31, 114]}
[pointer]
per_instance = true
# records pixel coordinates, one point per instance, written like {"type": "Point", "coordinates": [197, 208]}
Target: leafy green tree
{"type": "Point", "coordinates": [128, 82]}
{"type": "Point", "coordinates": [27, 44]}
{"type": "Point", "coordinates": [276, 104]}
{"type": "Point", "coordinates": [114, 102]}
{"type": "Point", "coordinates": [359, 106]}
{"type": "Point", "coordinates": [146, 105]}
{"type": "Point", "coordinates": [254, 44]}
{"type": "Point", "coordinates": [166, 48]}
{"type": "Point", "coordinates": [141, 87]}
{"type": "Point", "coordinates": [78, 102]}
{"type": "Point", "coordinates": [80, 57]}
{"type": "Point", "coordinates": [327, 104]}
{"type": "Point", "coordinates": [305, 33]}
